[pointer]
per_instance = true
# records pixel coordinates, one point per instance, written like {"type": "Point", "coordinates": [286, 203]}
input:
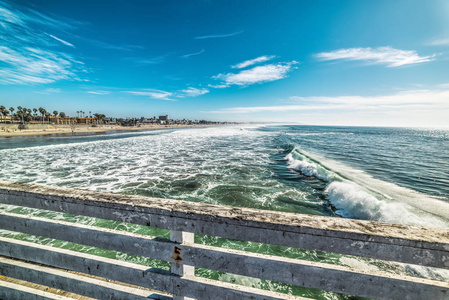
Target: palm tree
{"type": "Point", "coordinates": [5, 112]}
{"type": "Point", "coordinates": [55, 113]}
{"type": "Point", "coordinates": [62, 115]}
{"type": "Point", "coordinates": [21, 113]}
{"type": "Point", "coordinates": [43, 112]}
{"type": "Point", "coordinates": [2, 109]}
{"type": "Point", "coordinates": [35, 112]}
{"type": "Point", "coordinates": [11, 109]}
{"type": "Point", "coordinates": [99, 117]}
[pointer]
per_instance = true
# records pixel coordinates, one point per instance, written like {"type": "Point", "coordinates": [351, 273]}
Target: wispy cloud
{"type": "Point", "coordinates": [440, 42]}
{"type": "Point", "coordinates": [155, 94]}
{"type": "Point", "coordinates": [32, 65]}
{"type": "Point", "coordinates": [428, 99]}
{"type": "Point", "coordinates": [49, 91]}
{"type": "Point", "coordinates": [260, 74]}
{"type": "Point", "coordinates": [148, 61]}
{"type": "Point", "coordinates": [165, 95]}
{"type": "Point", "coordinates": [192, 92]}
{"type": "Point", "coordinates": [62, 41]}
{"type": "Point", "coordinates": [27, 53]}
{"type": "Point", "coordinates": [254, 61]}
{"type": "Point", "coordinates": [110, 46]}
{"type": "Point", "coordinates": [214, 36]}
{"type": "Point", "coordinates": [217, 86]}
{"type": "Point", "coordinates": [382, 55]}
{"type": "Point", "coordinates": [98, 92]}
{"type": "Point", "coordinates": [192, 54]}
{"type": "Point", "coordinates": [24, 16]}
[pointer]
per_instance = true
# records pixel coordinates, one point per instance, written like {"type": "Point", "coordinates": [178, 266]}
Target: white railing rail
{"type": "Point", "coordinates": [44, 265]}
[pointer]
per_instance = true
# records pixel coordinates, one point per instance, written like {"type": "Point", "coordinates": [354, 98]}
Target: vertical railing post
{"type": "Point", "coordinates": [178, 267]}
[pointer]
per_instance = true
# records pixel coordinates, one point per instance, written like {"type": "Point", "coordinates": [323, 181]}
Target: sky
{"type": "Point", "coordinates": [353, 63]}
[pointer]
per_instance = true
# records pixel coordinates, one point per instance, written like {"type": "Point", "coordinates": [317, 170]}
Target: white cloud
{"type": "Point", "coordinates": [214, 36]}
{"type": "Point", "coordinates": [192, 92]}
{"type": "Point", "coordinates": [25, 54]}
{"type": "Point", "coordinates": [62, 41]}
{"type": "Point", "coordinates": [253, 61]}
{"type": "Point", "coordinates": [436, 100]}
{"type": "Point", "coordinates": [440, 42]}
{"type": "Point", "coordinates": [32, 65]}
{"type": "Point", "coordinates": [258, 74]}
{"type": "Point", "coordinates": [49, 91]}
{"type": "Point", "coordinates": [99, 92]}
{"type": "Point", "coordinates": [148, 61]}
{"type": "Point", "coordinates": [255, 109]}
{"type": "Point", "coordinates": [155, 94]}
{"type": "Point", "coordinates": [382, 55]}
{"type": "Point", "coordinates": [217, 86]}
{"type": "Point", "coordinates": [192, 54]}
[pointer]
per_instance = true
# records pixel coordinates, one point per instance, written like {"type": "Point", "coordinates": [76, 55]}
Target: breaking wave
{"type": "Point", "coordinates": [357, 195]}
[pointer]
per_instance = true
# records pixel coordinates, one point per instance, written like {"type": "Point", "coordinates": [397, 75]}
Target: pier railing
{"type": "Point", "coordinates": [84, 274]}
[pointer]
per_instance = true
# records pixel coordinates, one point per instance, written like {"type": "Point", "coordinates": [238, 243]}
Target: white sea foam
{"type": "Point", "coordinates": [308, 167]}
{"type": "Point", "coordinates": [153, 164]}
{"type": "Point", "coordinates": [356, 194]}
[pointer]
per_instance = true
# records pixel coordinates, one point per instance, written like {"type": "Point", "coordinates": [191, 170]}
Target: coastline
{"type": "Point", "coordinates": [54, 129]}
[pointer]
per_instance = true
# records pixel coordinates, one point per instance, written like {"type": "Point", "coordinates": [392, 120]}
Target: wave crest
{"type": "Point", "coordinates": [359, 200]}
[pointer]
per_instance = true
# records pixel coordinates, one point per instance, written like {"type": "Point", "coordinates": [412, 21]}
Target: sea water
{"type": "Point", "coordinates": [396, 175]}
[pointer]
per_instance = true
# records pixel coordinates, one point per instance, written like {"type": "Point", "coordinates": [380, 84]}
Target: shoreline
{"type": "Point", "coordinates": [54, 129]}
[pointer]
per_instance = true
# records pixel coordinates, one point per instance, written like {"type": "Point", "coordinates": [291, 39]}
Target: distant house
{"type": "Point", "coordinates": [164, 119]}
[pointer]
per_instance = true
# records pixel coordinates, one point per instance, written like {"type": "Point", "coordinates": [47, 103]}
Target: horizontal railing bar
{"type": "Point", "coordinates": [89, 264]}
{"type": "Point", "coordinates": [148, 246]}
{"type": "Point", "coordinates": [88, 235]}
{"type": "Point", "coordinates": [70, 282]}
{"type": "Point", "coordinates": [9, 290]}
{"type": "Point", "coordinates": [202, 211]}
{"type": "Point", "coordinates": [130, 273]}
{"type": "Point", "coordinates": [202, 288]}
{"type": "Point", "coordinates": [406, 244]}
{"type": "Point", "coordinates": [334, 278]}
{"type": "Point", "coordinates": [290, 271]}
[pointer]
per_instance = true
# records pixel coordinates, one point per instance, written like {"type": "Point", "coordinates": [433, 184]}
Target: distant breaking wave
{"type": "Point", "coordinates": [356, 194]}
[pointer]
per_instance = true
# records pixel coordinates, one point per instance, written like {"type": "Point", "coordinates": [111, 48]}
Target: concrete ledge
{"type": "Point", "coordinates": [9, 290]}
{"type": "Point", "coordinates": [285, 270]}
{"type": "Point", "coordinates": [70, 282]}
{"type": "Point", "coordinates": [199, 288]}
{"type": "Point", "coordinates": [408, 244]}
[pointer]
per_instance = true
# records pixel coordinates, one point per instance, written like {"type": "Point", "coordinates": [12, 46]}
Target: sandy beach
{"type": "Point", "coordinates": [54, 129]}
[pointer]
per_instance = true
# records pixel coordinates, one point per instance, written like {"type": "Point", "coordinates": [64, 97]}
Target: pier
{"type": "Point", "coordinates": [106, 278]}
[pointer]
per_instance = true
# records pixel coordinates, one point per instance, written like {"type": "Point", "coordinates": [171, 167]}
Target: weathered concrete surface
{"type": "Point", "coordinates": [139, 275]}
{"type": "Point", "coordinates": [70, 282]}
{"type": "Point", "coordinates": [178, 265]}
{"type": "Point", "coordinates": [408, 244]}
{"type": "Point", "coordinates": [9, 290]}
{"type": "Point", "coordinates": [89, 264]}
{"type": "Point", "coordinates": [186, 255]}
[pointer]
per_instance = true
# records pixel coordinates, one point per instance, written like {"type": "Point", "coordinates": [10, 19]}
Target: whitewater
{"type": "Point", "coordinates": [395, 175]}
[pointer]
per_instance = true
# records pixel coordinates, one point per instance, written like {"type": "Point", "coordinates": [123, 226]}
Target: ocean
{"type": "Point", "coordinates": [395, 175]}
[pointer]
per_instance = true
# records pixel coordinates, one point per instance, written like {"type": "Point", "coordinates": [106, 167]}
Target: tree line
{"type": "Point", "coordinates": [36, 114]}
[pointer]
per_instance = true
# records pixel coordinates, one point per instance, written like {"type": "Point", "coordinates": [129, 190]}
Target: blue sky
{"type": "Point", "coordinates": [373, 63]}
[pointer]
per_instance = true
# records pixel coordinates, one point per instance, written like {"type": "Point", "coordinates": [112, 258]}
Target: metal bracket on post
{"type": "Point", "coordinates": [178, 267]}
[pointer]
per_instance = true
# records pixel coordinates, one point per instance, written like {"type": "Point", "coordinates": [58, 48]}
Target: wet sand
{"type": "Point", "coordinates": [54, 129]}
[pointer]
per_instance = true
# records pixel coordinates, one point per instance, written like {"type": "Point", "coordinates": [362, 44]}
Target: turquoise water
{"type": "Point", "coordinates": [392, 175]}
